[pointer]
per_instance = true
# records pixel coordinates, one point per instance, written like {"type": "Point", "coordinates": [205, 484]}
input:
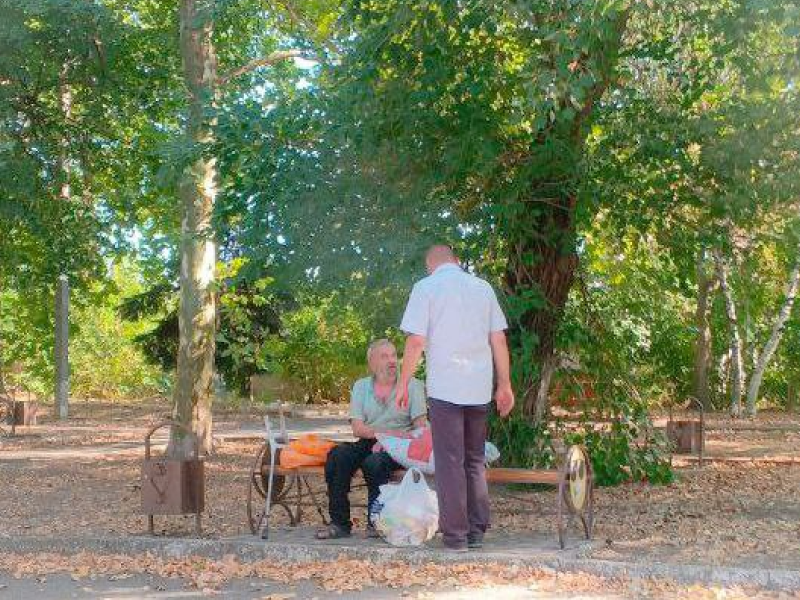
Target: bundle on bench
{"type": "Point", "coordinates": [271, 485]}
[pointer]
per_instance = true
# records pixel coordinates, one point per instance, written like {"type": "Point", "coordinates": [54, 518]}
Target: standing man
{"type": "Point", "coordinates": [455, 318]}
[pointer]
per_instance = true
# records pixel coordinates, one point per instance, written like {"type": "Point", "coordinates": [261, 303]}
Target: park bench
{"type": "Point", "coordinates": [292, 489]}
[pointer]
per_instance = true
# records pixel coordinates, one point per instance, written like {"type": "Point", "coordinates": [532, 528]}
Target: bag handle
{"type": "Point", "coordinates": [413, 478]}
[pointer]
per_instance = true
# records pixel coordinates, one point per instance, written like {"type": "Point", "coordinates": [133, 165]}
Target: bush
{"type": "Point", "coordinates": [521, 443]}
{"type": "Point", "coordinates": [105, 361]}
{"type": "Point", "coordinates": [619, 455]}
{"type": "Point", "coordinates": [321, 350]}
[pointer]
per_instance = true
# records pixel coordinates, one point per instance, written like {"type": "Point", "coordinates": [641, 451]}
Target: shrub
{"type": "Point", "coordinates": [321, 350]}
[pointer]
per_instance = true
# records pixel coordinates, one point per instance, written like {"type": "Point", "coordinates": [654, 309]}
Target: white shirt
{"type": "Point", "coordinates": [456, 311]}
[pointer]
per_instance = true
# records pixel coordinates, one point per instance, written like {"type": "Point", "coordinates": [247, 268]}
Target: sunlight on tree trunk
{"type": "Point", "coordinates": [774, 339]}
{"type": "Point", "coordinates": [737, 363]}
{"type": "Point", "coordinates": [2, 343]}
{"type": "Point", "coordinates": [198, 188]}
{"type": "Point", "coordinates": [702, 349]}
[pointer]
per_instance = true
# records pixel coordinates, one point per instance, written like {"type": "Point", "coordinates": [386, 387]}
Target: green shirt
{"type": "Point", "coordinates": [385, 416]}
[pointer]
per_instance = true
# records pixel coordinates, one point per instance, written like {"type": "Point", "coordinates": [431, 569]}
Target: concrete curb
{"type": "Point", "coordinates": [252, 549]}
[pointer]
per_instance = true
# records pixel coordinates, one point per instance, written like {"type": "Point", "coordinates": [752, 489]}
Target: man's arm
{"type": "Point", "coordinates": [358, 417]}
{"type": "Point", "coordinates": [415, 345]}
{"type": "Point", "coordinates": [504, 395]}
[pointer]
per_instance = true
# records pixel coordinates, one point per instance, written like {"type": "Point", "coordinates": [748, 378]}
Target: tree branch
{"type": "Point", "coordinates": [264, 61]}
{"type": "Point", "coordinates": [304, 23]}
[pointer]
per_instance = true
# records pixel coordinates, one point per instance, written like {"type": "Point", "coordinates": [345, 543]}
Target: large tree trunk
{"type": "Point", "coordinates": [540, 235]}
{"type": "Point", "coordinates": [541, 269]}
{"type": "Point", "coordinates": [702, 348]}
{"type": "Point", "coordinates": [737, 362]}
{"type": "Point", "coordinates": [198, 186]}
{"type": "Point", "coordinates": [774, 339]}
{"type": "Point", "coordinates": [67, 169]}
{"type": "Point", "coordinates": [2, 345]}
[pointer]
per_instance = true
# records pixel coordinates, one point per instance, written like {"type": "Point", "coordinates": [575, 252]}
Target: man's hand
{"type": "Point", "coordinates": [401, 394]}
{"type": "Point", "coordinates": [504, 396]}
{"type": "Point", "coordinates": [362, 430]}
{"type": "Point", "coordinates": [415, 345]}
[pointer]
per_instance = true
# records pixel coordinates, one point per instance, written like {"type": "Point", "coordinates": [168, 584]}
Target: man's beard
{"type": "Point", "coordinates": [387, 374]}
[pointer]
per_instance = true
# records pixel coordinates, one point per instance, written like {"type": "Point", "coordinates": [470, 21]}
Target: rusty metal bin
{"type": "Point", "coordinates": [688, 435]}
{"type": "Point", "coordinates": [23, 413]}
{"type": "Point", "coordinates": [172, 486]}
{"type": "Point", "coordinates": [17, 413]}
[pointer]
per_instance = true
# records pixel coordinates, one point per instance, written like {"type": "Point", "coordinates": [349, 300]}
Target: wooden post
{"type": "Point", "coordinates": [61, 349]}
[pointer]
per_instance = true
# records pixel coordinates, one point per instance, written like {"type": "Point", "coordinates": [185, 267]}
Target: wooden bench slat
{"type": "Point", "coordinates": [493, 475]}
{"type": "Point", "coordinates": [509, 475]}
{"type": "Point", "coordinates": [319, 470]}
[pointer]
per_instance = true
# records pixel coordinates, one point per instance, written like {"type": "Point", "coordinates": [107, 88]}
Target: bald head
{"type": "Point", "coordinates": [439, 255]}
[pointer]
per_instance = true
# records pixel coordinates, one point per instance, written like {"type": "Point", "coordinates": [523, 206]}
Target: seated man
{"type": "Point", "coordinates": [372, 410]}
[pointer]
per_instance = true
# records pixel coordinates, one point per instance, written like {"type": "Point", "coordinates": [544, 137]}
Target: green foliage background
{"type": "Point", "coordinates": [634, 137]}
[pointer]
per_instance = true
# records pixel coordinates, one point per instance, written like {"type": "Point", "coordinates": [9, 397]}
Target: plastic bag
{"type": "Point", "coordinates": [406, 514]}
{"type": "Point", "coordinates": [491, 452]}
{"type": "Point", "coordinates": [306, 451]}
{"type": "Point", "coordinates": [312, 445]}
{"type": "Point", "coordinates": [414, 451]}
{"type": "Point", "coordinates": [291, 459]}
{"type": "Point", "coordinates": [417, 451]}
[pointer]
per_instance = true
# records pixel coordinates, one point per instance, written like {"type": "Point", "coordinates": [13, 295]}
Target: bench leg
{"type": "Point", "coordinates": [587, 516]}
{"type": "Point", "coordinates": [315, 501]}
{"type": "Point", "coordinates": [299, 510]}
{"type": "Point", "coordinates": [560, 501]}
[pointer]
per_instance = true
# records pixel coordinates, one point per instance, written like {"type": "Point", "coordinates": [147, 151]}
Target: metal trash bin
{"type": "Point", "coordinates": [172, 486]}
{"type": "Point", "coordinates": [24, 413]}
{"type": "Point", "coordinates": [688, 435]}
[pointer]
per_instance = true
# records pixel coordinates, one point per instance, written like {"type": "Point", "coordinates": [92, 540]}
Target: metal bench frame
{"type": "Point", "coordinates": [291, 489]}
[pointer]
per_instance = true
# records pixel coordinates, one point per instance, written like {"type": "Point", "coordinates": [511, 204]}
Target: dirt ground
{"type": "Point", "coordinates": [82, 478]}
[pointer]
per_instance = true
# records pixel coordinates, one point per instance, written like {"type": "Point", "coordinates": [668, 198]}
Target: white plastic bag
{"type": "Point", "coordinates": [404, 452]}
{"type": "Point", "coordinates": [492, 453]}
{"type": "Point", "coordinates": [407, 514]}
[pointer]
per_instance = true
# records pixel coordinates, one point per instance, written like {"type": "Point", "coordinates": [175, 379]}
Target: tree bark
{"type": "Point", "coordinates": [61, 313]}
{"type": "Point", "coordinates": [65, 164]}
{"type": "Point", "coordinates": [2, 344]}
{"type": "Point", "coordinates": [198, 187]}
{"type": "Point", "coordinates": [542, 262]}
{"type": "Point", "coordinates": [702, 349]}
{"type": "Point", "coordinates": [724, 371]}
{"type": "Point", "coordinates": [774, 339]}
{"type": "Point", "coordinates": [737, 362]}
{"type": "Point", "coordinates": [540, 236]}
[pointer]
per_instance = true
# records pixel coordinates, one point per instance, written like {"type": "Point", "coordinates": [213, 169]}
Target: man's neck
{"type": "Point", "coordinates": [444, 266]}
{"type": "Point", "coordinates": [384, 381]}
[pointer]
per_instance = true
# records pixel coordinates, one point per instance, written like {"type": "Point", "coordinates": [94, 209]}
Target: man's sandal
{"type": "Point", "coordinates": [331, 532]}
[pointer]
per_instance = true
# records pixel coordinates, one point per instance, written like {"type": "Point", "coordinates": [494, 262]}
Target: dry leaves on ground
{"type": "Point", "coordinates": [346, 575]}
{"type": "Point", "coordinates": [739, 515]}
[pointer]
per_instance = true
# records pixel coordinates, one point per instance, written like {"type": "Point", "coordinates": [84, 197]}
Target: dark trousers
{"type": "Point", "coordinates": [343, 461]}
{"type": "Point", "coordinates": [459, 436]}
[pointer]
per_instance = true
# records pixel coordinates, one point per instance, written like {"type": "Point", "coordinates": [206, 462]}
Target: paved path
{"type": "Point", "coordinates": [336, 428]}
{"type": "Point", "coordinates": [144, 587]}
